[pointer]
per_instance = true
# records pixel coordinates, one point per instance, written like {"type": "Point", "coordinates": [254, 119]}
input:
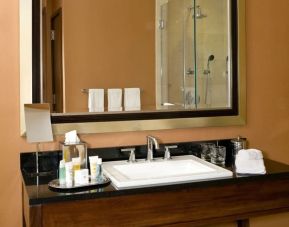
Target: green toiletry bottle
{"type": "Point", "coordinates": [99, 173]}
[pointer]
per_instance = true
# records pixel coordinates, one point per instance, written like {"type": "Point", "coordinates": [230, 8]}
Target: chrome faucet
{"type": "Point", "coordinates": [131, 155]}
{"type": "Point", "coordinates": [167, 155]}
{"type": "Point", "coordinates": [150, 142]}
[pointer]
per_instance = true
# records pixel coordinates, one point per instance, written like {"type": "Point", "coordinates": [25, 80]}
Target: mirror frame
{"type": "Point", "coordinates": [152, 120]}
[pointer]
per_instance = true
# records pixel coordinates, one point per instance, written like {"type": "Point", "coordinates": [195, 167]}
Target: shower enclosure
{"type": "Point", "coordinates": [193, 49]}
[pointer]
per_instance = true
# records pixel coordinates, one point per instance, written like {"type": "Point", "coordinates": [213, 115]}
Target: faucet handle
{"type": "Point", "coordinates": [167, 155]}
{"type": "Point", "coordinates": [131, 155]}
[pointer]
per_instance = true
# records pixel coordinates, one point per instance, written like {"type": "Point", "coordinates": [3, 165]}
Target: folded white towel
{"type": "Point", "coordinates": [96, 100]}
{"type": "Point", "coordinates": [250, 161]}
{"type": "Point", "coordinates": [132, 99]}
{"type": "Point", "coordinates": [114, 97]}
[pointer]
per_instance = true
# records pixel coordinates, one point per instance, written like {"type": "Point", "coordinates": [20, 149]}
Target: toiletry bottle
{"type": "Point", "coordinates": [75, 165]}
{"type": "Point", "coordinates": [85, 178]}
{"type": "Point", "coordinates": [62, 172]}
{"type": "Point", "coordinates": [93, 164]}
{"type": "Point", "coordinates": [238, 144]}
{"type": "Point", "coordinates": [68, 174]}
{"type": "Point", "coordinates": [99, 173]}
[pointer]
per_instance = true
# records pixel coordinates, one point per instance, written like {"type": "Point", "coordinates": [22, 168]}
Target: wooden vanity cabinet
{"type": "Point", "coordinates": [193, 204]}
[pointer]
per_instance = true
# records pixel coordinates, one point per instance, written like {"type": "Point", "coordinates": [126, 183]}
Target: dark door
{"type": "Point", "coordinates": [57, 69]}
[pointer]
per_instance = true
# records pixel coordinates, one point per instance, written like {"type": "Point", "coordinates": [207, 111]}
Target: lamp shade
{"type": "Point", "coordinates": [38, 123]}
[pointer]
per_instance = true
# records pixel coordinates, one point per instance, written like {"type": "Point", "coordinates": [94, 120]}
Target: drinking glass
{"type": "Point", "coordinates": [218, 155]}
{"type": "Point", "coordinates": [206, 151]}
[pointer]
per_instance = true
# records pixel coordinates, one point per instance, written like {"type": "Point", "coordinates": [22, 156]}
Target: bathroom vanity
{"type": "Point", "coordinates": [232, 199]}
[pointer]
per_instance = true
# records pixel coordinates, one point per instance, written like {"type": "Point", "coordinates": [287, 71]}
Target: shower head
{"type": "Point", "coordinates": [211, 58]}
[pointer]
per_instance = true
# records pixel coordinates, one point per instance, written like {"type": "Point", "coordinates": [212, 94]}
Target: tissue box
{"type": "Point", "coordinates": [76, 150]}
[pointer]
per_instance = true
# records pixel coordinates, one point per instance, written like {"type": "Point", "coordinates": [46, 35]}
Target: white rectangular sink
{"type": "Point", "coordinates": [180, 169]}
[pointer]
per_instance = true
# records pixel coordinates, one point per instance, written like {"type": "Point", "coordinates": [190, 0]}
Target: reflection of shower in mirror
{"type": "Point", "coordinates": [189, 75]}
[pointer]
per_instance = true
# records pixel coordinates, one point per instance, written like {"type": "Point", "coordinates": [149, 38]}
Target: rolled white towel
{"type": "Point", "coordinates": [250, 154]}
{"type": "Point", "coordinates": [250, 161]}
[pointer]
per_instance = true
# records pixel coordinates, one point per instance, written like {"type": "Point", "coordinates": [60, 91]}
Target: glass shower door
{"type": "Point", "coordinates": [190, 99]}
{"type": "Point", "coordinates": [177, 65]}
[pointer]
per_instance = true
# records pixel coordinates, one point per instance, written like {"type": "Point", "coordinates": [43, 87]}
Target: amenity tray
{"type": "Point", "coordinates": [55, 185]}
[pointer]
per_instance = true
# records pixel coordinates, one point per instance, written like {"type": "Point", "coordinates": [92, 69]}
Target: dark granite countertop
{"type": "Point", "coordinates": [40, 194]}
{"type": "Point", "coordinates": [38, 191]}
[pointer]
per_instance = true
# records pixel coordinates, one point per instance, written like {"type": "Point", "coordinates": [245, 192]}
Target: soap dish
{"type": "Point", "coordinates": [55, 185]}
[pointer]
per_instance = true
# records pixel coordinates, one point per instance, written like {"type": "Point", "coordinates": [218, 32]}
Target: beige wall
{"type": "Point", "coordinates": [108, 44]}
{"type": "Point", "coordinates": [268, 107]}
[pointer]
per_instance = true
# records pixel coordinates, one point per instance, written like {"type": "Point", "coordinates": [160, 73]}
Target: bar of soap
{"type": "Point", "coordinates": [81, 177]}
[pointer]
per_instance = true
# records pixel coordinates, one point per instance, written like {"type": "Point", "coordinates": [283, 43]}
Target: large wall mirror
{"type": "Point", "coordinates": [186, 57]}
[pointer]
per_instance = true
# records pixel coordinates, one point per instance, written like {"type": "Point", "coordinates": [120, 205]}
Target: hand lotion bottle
{"type": "Point", "coordinates": [68, 174]}
{"type": "Point", "coordinates": [93, 167]}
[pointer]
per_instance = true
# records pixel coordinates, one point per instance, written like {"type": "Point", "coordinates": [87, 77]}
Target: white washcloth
{"type": "Point", "coordinates": [114, 98]}
{"type": "Point", "coordinates": [250, 161]}
{"type": "Point", "coordinates": [96, 100]}
{"type": "Point", "coordinates": [132, 99]}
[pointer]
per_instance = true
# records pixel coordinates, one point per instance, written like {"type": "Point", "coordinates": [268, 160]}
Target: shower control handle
{"type": "Point", "coordinates": [190, 71]}
{"type": "Point", "coordinates": [207, 72]}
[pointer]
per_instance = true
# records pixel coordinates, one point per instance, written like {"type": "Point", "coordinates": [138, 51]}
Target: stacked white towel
{"type": "Point", "coordinates": [96, 100]}
{"type": "Point", "coordinates": [132, 99]}
{"type": "Point", "coordinates": [114, 97]}
{"type": "Point", "coordinates": [250, 161]}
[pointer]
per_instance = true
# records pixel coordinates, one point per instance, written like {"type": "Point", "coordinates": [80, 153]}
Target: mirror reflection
{"type": "Point", "coordinates": [176, 53]}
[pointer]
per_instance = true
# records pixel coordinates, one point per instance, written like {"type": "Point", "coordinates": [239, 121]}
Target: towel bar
{"type": "Point", "coordinates": [85, 90]}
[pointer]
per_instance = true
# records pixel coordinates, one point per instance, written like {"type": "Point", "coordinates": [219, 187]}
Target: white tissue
{"type": "Point", "coordinates": [250, 161]}
{"type": "Point", "coordinates": [71, 137]}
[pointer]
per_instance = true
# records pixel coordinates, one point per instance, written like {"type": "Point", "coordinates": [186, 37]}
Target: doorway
{"type": "Point", "coordinates": [56, 61]}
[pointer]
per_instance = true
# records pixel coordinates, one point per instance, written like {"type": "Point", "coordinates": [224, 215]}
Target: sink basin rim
{"type": "Point", "coordinates": [121, 181]}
